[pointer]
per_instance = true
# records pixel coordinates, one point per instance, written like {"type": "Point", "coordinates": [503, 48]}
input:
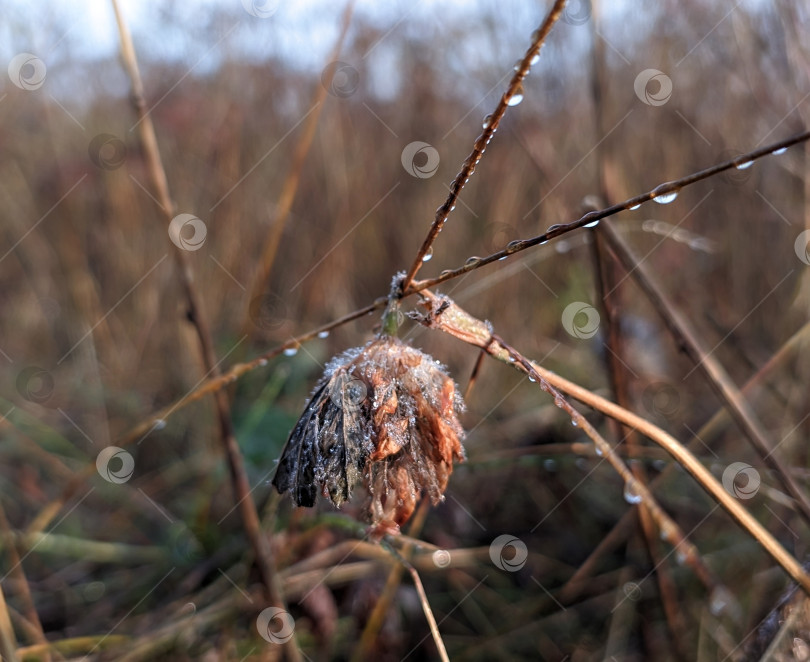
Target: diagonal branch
{"type": "Point", "coordinates": [509, 98]}
{"type": "Point", "coordinates": [290, 186]}
{"type": "Point", "coordinates": [714, 372]}
{"type": "Point", "coordinates": [593, 217]}
{"type": "Point", "coordinates": [446, 316]}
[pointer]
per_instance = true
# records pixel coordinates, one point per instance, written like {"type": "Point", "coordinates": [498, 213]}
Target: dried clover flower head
{"type": "Point", "coordinates": [386, 414]}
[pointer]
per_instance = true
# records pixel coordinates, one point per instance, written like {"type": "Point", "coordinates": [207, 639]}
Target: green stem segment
{"type": "Point", "coordinates": [390, 320]}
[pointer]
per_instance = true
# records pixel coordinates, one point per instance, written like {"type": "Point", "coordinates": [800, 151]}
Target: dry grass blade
{"type": "Point", "coordinates": [19, 573]}
{"type": "Point", "coordinates": [8, 642]}
{"type": "Point", "coordinates": [290, 186]}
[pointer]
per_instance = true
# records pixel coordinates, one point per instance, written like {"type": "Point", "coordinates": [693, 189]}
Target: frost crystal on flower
{"type": "Point", "coordinates": [385, 414]}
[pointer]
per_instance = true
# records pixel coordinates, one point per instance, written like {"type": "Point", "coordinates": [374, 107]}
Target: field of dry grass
{"type": "Point", "coordinates": [122, 536]}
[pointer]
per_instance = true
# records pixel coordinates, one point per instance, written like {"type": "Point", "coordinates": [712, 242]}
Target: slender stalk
{"type": "Point", "coordinates": [242, 490]}
{"type": "Point", "coordinates": [290, 186]}
{"type": "Point", "coordinates": [8, 642]}
{"type": "Point", "coordinates": [714, 372]}
{"type": "Point", "coordinates": [29, 608]}
{"type": "Point", "coordinates": [594, 216]}
{"type": "Point", "coordinates": [446, 316]}
{"type": "Point", "coordinates": [480, 145]}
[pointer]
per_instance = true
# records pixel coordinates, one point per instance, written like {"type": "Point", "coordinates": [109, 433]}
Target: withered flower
{"type": "Point", "coordinates": [385, 414]}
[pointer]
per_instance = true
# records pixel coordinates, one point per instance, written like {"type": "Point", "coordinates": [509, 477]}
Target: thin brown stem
{"type": "Point", "coordinates": [620, 530]}
{"type": "Point", "coordinates": [446, 316]}
{"type": "Point", "coordinates": [594, 216]}
{"type": "Point", "coordinates": [480, 145]}
{"type": "Point", "coordinates": [290, 186]}
{"type": "Point", "coordinates": [383, 604]}
{"type": "Point", "coordinates": [714, 372]}
{"type": "Point", "coordinates": [242, 490]}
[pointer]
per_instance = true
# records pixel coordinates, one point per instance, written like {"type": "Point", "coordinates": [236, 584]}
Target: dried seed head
{"type": "Point", "coordinates": [386, 414]}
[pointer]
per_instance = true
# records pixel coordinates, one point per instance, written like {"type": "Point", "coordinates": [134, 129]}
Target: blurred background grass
{"type": "Point", "coordinates": [90, 298]}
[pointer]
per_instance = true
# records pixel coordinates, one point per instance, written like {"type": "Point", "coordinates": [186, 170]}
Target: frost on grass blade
{"type": "Point", "coordinates": [385, 414]}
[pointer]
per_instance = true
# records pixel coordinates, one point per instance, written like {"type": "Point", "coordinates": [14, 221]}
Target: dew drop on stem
{"type": "Point", "coordinates": [634, 207]}
{"type": "Point", "coordinates": [428, 255]}
{"type": "Point", "coordinates": [631, 492]}
{"type": "Point", "coordinates": [666, 198]}
{"type": "Point", "coordinates": [745, 166]}
{"type": "Point", "coordinates": [516, 96]}
{"type": "Point", "coordinates": [323, 334]}
{"type": "Point", "coordinates": [487, 121]}
{"type": "Point", "coordinates": [290, 351]}
{"type": "Point", "coordinates": [472, 261]}
{"type": "Point", "coordinates": [779, 151]}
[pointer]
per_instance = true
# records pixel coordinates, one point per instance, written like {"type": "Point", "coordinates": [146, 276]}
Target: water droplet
{"type": "Point", "coordinates": [511, 359]}
{"type": "Point", "coordinates": [487, 121]}
{"type": "Point", "coordinates": [535, 59]}
{"type": "Point", "coordinates": [719, 600]}
{"type": "Point", "coordinates": [779, 151]}
{"type": "Point", "coordinates": [666, 198]}
{"type": "Point", "coordinates": [680, 557]}
{"type": "Point", "coordinates": [514, 245]}
{"type": "Point", "coordinates": [427, 257]}
{"type": "Point", "coordinates": [452, 207]}
{"type": "Point", "coordinates": [634, 207]}
{"type": "Point", "coordinates": [745, 166]}
{"type": "Point", "coordinates": [290, 351]}
{"type": "Point", "coordinates": [631, 493]}
{"type": "Point", "coordinates": [667, 531]}
{"type": "Point", "coordinates": [446, 272]}
{"type": "Point", "coordinates": [574, 422]}
{"type": "Point", "coordinates": [472, 261]}
{"type": "Point", "coordinates": [532, 379]}
{"type": "Point", "coordinates": [558, 400]}
{"type": "Point", "coordinates": [590, 215]}
{"type": "Point", "coordinates": [536, 36]}
{"type": "Point", "coordinates": [599, 451]}
{"type": "Point", "coordinates": [159, 424]}
{"type": "Point", "coordinates": [323, 334]}
{"type": "Point", "coordinates": [501, 259]}
{"type": "Point", "coordinates": [553, 228]}
{"type": "Point", "coordinates": [518, 64]}
{"type": "Point", "coordinates": [516, 98]}
{"type": "Point", "coordinates": [262, 362]}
